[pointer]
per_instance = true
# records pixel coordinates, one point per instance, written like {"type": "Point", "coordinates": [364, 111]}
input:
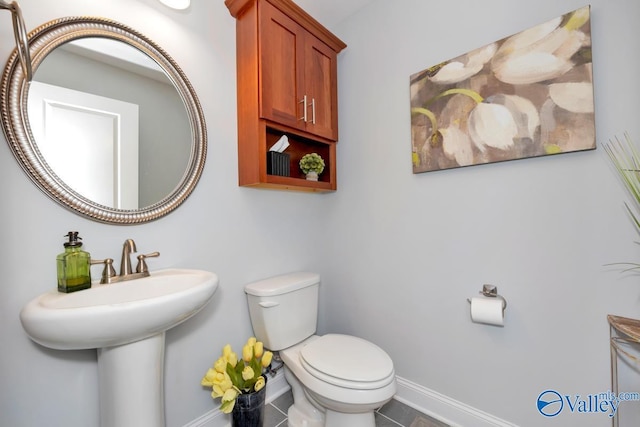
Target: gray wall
{"type": "Point", "coordinates": [407, 250]}
{"type": "Point", "coordinates": [399, 253]}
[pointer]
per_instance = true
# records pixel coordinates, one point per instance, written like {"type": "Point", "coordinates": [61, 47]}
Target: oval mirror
{"type": "Point", "coordinates": [109, 127]}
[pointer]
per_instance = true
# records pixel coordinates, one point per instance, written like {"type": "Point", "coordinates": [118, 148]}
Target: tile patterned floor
{"type": "Point", "coordinates": [393, 414]}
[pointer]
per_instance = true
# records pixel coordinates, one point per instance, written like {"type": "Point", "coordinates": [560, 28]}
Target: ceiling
{"type": "Point", "coordinates": [331, 12]}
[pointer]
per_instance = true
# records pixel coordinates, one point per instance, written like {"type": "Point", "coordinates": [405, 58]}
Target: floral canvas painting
{"type": "Point", "coordinates": [527, 95]}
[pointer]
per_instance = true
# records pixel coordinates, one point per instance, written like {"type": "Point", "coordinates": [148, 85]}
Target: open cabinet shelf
{"type": "Point", "coordinates": [299, 146]}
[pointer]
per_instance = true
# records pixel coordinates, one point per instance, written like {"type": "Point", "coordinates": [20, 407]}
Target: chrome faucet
{"type": "Point", "coordinates": [126, 272]}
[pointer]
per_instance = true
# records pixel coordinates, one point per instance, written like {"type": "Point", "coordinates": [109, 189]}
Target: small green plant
{"type": "Point", "coordinates": [311, 163]}
{"type": "Point", "coordinates": [625, 157]}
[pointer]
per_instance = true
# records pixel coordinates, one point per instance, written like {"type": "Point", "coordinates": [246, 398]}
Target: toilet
{"type": "Point", "coordinates": [336, 380]}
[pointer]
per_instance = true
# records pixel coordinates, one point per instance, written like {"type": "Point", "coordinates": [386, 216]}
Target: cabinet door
{"type": "Point", "coordinates": [281, 71]}
{"type": "Point", "coordinates": [320, 77]}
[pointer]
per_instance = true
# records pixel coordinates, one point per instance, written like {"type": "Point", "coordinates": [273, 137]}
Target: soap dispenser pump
{"type": "Point", "coordinates": [74, 273]}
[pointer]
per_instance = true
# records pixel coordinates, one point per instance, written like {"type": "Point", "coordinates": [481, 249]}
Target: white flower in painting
{"type": "Point", "coordinates": [492, 125]}
{"type": "Point", "coordinates": [574, 97]}
{"type": "Point", "coordinates": [541, 53]}
{"type": "Point", "coordinates": [526, 38]}
{"type": "Point", "coordinates": [523, 111]}
{"type": "Point", "coordinates": [465, 66]}
{"type": "Point", "coordinates": [457, 145]}
{"type": "Point", "coordinates": [532, 68]}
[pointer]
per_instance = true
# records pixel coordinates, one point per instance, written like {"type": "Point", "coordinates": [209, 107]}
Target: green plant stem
{"type": "Point", "coordinates": [429, 114]}
{"type": "Point", "coordinates": [458, 91]}
{"type": "Point", "coordinates": [455, 91]}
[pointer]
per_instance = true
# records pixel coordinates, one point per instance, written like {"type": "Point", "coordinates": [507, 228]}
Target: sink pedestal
{"type": "Point", "coordinates": [131, 383]}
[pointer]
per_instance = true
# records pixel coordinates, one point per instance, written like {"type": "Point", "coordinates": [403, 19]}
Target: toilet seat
{"type": "Point", "coordinates": [348, 362]}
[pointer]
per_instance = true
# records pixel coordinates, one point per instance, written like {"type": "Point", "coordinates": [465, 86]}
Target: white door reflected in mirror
{"type": "Point", "coordinates": [63, 121]}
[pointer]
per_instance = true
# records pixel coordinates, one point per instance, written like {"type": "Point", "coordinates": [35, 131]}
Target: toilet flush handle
{"type": "Point", "coordinates": [268, 304]}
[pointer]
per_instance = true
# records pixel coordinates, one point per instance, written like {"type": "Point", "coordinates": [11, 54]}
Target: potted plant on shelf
{"type": "Point", "coordinates": [312, 165]}
{"type": "Point", "coordinates": [240, 383]}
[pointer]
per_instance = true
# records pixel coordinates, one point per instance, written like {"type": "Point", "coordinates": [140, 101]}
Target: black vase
{"type": "Point", "coordinates": [249, 409]}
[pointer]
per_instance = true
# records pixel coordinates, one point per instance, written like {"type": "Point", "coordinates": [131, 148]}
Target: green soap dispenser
{"type": "Point", "coordinates": [74, 273]}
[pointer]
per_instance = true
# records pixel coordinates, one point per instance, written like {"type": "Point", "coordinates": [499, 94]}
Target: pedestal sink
{"type": "Point", "coordinates": [126, 322]}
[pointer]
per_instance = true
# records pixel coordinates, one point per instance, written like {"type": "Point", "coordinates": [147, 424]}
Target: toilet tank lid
{"type": "Point", "coordinates": [282, 284]}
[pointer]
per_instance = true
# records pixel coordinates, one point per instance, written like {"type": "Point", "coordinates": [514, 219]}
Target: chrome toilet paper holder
{"type": "Point", "coordinates": [491, 291]}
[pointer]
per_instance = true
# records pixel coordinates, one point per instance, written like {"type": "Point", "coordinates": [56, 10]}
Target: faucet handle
{"type": "Point", "coordinates": [108, 272]}
{"type": "Point", "coordinates": [142, 264]}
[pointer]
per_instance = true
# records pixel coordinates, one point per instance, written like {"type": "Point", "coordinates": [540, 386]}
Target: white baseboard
{"type": "Point", "coordinates": [444, 408]}
{"type": "Point", "coordinates": [430, 402]}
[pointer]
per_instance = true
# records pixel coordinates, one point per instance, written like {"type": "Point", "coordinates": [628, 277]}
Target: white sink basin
{"type": "Point", "coordinates": [117, 313]}
{"type": "Point", "coordinates": [126, 323]}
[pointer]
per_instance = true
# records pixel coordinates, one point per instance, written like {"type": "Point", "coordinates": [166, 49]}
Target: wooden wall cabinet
{"type": "Point", "coordinates": [287, 85]}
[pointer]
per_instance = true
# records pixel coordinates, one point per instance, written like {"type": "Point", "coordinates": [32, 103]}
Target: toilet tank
{"type": "Point", "coordinates": [284, 309]}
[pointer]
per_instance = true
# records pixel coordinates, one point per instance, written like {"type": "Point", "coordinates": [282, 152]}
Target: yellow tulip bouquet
{"type": "Point", "coordinates": [231, 377]}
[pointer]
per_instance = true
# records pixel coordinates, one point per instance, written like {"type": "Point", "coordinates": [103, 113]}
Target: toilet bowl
{"type": "Point", "coordinates": [336, 380]}
{"type": "Point", "coordinates": [343, 380]}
